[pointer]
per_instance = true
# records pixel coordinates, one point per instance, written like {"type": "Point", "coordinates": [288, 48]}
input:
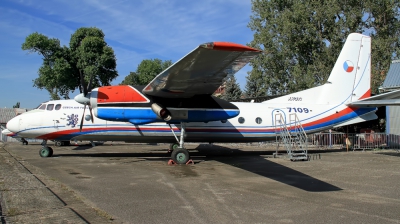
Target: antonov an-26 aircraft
{"type": "Point", "coordinates": [178, 105]}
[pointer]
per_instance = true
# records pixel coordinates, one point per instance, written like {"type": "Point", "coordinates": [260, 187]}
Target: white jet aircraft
{"type": "Point", "coordinates": [179, 100]}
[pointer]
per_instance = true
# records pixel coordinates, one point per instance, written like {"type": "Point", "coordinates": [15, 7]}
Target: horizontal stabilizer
{"type": "Point", "coordinates": [385, 99]}
{"type": "Point", "coordinates": [362, 118]}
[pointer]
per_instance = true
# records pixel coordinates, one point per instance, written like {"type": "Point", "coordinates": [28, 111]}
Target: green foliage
{"type": "Point", "coordinates": [16, 105]}
{"type": "Point", "coordinates": [146, 71]}
{"type": "Point", "coordinates": [232, 90]}
{"type": "Point", "coordinates": [60, 72]}
{"type": "Point", "coordinates": [303, 39]}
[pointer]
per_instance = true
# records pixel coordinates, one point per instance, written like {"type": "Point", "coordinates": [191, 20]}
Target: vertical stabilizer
{"type": "Point", "coordinates": [348, 81]}
{"type": "Point", "coordinates": [351, 76]}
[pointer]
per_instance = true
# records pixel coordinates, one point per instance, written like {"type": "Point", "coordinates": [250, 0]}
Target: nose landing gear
{"type": "Point", "coordinates": [45, 151]}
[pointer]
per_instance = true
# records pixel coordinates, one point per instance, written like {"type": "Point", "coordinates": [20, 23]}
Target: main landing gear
{"type": "Point", "coordinates": [45, 151]}
{"type": "Point", "coordinates": [179, 155]}
{"type": "Point", "coordinates": [62, 143]}
{"type": "Point", "coordinates": [24, 141]}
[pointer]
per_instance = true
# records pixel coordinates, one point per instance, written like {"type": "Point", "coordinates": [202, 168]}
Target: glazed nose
{"type": "Point", "coordinates": [13, 125]}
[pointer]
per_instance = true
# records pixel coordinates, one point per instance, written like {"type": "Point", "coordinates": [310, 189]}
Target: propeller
{"type": "Point", "coordinates": [84, 98]}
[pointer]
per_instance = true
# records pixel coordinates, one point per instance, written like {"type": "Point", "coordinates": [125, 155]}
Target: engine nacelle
{"type": "Point", "coordinates": [161, 112]}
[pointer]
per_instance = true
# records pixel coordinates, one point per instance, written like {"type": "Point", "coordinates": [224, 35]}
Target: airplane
{"type": "Point", "coordinates": [179, 101]}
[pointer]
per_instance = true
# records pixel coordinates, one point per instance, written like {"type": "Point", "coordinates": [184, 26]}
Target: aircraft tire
{"type": "Point", "coordinates": [173, 146]}
{"type": "Point", "coordinates": [46, 151]}
{"type": "Point", "coordinates": [180, 156]}
{"type": "Point", "coordinates": [25, 142]}
{"type": "Point", "coordinates": [58, 143]}
{"type": "Point", "coordinates": [51, 151]}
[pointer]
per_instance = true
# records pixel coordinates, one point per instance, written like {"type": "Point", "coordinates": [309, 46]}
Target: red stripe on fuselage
{"type": "Point", "coordinates": [58, 134]}
{"type": "Point", "coordinates": [331, 117]}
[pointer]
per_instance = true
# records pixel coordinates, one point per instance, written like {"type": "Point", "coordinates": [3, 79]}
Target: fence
{"type": "Point", "coordinates": [354, 141]}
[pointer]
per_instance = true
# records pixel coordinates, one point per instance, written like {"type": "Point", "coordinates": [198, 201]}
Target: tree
{"type": "Point", "coordinates": [304, 38]}
{"type": "Point", "coordinates": [146, 71]}
{"type": "Point", "coordinates": [232, 90]}
{"type": "Point", "coordinates": [16, 105]}
{"type": "Point", "coordinates": [60, 72]}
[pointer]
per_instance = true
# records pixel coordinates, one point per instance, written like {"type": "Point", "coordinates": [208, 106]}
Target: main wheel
{"type": "Point", "coordinates": [180, 156]}
{"type": "Point", "coordinates": [46, 151]}
{"type": "Point", "coordinates": [25, 142]}
{"type": "Point", "coordinates": [51, 151]}
{"type": "Point", "coordinates": [173, 146]}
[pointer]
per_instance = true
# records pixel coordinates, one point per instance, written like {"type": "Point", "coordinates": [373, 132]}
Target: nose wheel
{"type": "Point", "coordinates": [46, 151]}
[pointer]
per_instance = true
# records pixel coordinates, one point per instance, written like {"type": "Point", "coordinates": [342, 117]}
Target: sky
{"type": "Point", "coordinates": [136, 30]}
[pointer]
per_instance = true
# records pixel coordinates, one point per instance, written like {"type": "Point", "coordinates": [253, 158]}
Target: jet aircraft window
{"type": "Point", "coordinates": [241, 120]}
{"type": "Point", "coordinates": [50, 106]}
{"type": "Point", "coordinates": [43, 107]}
{"type": "Point", "coordinates": [58, 106]}
{"type": "Point", "coordinates": [258, 120]}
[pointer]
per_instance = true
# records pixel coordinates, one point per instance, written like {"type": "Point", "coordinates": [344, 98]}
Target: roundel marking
{"type": "Point", "coordinates": [348, 66]}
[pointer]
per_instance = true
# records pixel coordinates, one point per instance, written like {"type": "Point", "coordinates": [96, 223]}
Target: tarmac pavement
{"type": "Point", "coordinates": [132, 183]}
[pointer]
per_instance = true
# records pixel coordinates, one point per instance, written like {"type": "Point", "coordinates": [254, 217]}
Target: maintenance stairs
{"type": "Point", "coordinates": [293, 136]}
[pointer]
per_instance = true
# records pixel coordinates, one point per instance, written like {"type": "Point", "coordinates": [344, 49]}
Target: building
{"type": "Point", "coordinates": [391, 83]}
{"type": "Point", "coordinates": [7, 114]}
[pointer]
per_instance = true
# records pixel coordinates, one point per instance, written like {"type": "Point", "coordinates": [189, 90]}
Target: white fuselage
{"type": "Point", "coordinates": [256, 122]}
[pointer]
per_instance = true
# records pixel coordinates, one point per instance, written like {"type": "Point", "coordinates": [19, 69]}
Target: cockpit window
{"type": "Point", "coordinates": [50, 107]}
{"type": "Point", "coordinates": [58, 106]}
{"type": "Point", "coordinates": [43, 107]}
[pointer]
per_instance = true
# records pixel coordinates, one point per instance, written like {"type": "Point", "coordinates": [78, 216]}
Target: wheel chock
{"type": "Point", "coordinates": [171, 162]}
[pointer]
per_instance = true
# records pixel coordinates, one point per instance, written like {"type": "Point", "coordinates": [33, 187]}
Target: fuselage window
{"type": "Point", "coordinates": [43, 107]}
{"type": "Point", "coordinates": [241, 120]}
{"type": "Point", "coordinates": [58, 106]}
{"type": "Point", "coordinates": [258, 120]}
{"type": "Point", "coordinates": [50, 107]}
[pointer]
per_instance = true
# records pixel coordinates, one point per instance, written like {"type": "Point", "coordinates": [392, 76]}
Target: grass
{"type": "Point", "coordinates": [103, 214]}
{"type": "Point", "coordinates": [13, 212]}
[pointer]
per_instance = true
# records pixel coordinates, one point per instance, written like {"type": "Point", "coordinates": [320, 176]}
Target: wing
{"type": "Point", "coordinates": [201, 71]}
{"type": "Point", "coordinates": [385, 99]}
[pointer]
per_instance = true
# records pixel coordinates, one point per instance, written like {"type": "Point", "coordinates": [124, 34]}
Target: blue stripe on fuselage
{"type": "Point", "coordinates": [126, 114]}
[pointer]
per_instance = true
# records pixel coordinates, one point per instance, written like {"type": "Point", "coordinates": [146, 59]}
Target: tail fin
{"type": "Point", "coordinates": [349, 79]}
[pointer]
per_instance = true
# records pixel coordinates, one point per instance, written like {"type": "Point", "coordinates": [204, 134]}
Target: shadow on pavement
{"type": "Point", "coordinates": [251, 161]}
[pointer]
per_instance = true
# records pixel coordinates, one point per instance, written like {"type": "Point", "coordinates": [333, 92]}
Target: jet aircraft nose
{"type": "Point", "coordinates": [13, 125]}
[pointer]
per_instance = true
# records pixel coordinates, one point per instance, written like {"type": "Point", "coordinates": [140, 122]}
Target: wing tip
{"type": "Point", "coordinates": [228, 46]}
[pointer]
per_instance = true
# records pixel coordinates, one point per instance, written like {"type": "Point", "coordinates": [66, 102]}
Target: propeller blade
{"type": "Point", "coordinates": [89, 88]}
{"type": "Point", "coordinates": [85, 91]}
{"type": "Point", "coordinates": [80, 128]}
{"type": "Point", "coordinates": [91, 114]}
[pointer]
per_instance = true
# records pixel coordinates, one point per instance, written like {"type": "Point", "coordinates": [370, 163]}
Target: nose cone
{"type": "Point", "coordinates": [13, 125]}
{"type": "Point", "coordinates": [7, 132]}
{"type": "Point", "coordinates": [85, 100]}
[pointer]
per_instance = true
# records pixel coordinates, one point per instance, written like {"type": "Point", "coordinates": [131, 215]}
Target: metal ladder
{"type": "Point", "coordinates": [293, 137]}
